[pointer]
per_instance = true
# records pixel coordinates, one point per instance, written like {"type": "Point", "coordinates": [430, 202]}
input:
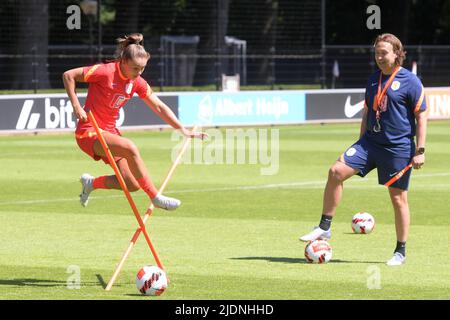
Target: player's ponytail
{"type": "Point", "coordinates": [131, 47]}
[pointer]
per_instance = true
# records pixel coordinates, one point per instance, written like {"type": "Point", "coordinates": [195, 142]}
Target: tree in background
{"type": "Point", "coordinates": [31, 41]}
{"type": "Point", "coordinates": [415, 22]}
{"type": "Point", "coordinates": [268, 26]}
{"type": "Point", "coordinates": [256, 22]}
{"type": "Point", "coordinates": [127, 17]}
{"type": "Point", "coordinates": [212, 32]}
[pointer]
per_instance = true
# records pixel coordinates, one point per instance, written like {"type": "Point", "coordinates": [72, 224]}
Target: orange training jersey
{"type": "Point", "coordinates": [108, 91]}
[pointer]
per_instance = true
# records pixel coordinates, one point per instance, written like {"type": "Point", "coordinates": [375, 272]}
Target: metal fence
{"type": "Point", "coordinates": [169, 67]}
{"type": "Point", "coordinates": [270, 43]}
{"type": "Point", "coordinates": [356, 63]}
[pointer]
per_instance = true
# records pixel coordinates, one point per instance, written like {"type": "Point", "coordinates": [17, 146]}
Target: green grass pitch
{"type": "Point", "coordinates": [236, 234]}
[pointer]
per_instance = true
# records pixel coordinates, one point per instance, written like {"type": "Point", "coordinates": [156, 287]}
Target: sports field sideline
{"type": "Point", "coordinates": [235, 235]}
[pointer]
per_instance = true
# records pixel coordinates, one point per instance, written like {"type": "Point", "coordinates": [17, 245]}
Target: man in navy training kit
{"type": "Point", "coordinates": [394, 112]}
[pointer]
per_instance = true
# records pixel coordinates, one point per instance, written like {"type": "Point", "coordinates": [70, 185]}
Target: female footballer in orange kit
{"type": "Point", "coordinates": [111, 85]}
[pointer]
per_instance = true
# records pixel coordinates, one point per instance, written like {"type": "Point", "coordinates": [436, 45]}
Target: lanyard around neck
{"type": "Point", "coordinates": [380, 94]}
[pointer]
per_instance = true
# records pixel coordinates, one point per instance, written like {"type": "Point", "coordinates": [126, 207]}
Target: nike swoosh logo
{"type": "Point", "coordinates": [351, 110]}
{"type": "Point", "coordinates": [393, 174]}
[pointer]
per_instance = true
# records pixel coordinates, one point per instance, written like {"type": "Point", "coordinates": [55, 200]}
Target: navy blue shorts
{"type": "Point", "coordinates": [365, 156]}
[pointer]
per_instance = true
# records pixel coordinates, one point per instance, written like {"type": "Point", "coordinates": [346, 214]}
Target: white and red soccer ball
{"type": "Point", "coordinates": [363, 222]}
{"type": "Point", "coordinates": [151, 281]}
{"type": "Point", "coordinates": [318, 251]}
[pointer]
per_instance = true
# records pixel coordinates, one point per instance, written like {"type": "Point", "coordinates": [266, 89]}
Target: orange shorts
{"type": "Point", "coordinates": [86, 140]}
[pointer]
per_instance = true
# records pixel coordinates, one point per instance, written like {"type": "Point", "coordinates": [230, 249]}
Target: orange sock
{"type": "Point", "coordinates": [147, 185]}
{"type": "Point", "coordinates": [100, 183]}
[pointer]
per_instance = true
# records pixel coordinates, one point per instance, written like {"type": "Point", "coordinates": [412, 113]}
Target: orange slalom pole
{"type": "Point", "coordinates": [124, 187]}
{"type": "Point", "coordinates": [147, 214]}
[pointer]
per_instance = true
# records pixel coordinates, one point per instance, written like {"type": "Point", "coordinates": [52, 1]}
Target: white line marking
{"type": "Point", "coordinates": [305, 184]}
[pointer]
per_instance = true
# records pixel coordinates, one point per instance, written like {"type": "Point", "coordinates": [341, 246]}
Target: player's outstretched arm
{"type": "Point", "coordinates": [70, 78]}
{"type": "Point", "coordinates": [164, 112]}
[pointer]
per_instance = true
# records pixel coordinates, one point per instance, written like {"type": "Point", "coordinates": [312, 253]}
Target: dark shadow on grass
{"type": "Point", "coordinates": [357, 234]}
{"type": "Point", "coordinates": [274, 259]}
{"type": "Point", "coordinates": [301, 260]}
{"type": "Point", "coordinates": [42, 283]}
{"type": "Point", "coordinates": [101, 280]}
{"type": "Point", "coordinates": [32, 282]}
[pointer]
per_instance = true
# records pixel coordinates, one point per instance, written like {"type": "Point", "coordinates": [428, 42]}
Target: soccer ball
{"type": "Point", "coordinates": [363, 222]}
{"type": "Point", "coordinates": [318, 251]}
{"type": "Point", "coordinates": [151, 281]}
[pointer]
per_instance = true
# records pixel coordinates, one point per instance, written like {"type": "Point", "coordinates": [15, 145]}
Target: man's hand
{"type": "Point", "coordinates": [418, 161]}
